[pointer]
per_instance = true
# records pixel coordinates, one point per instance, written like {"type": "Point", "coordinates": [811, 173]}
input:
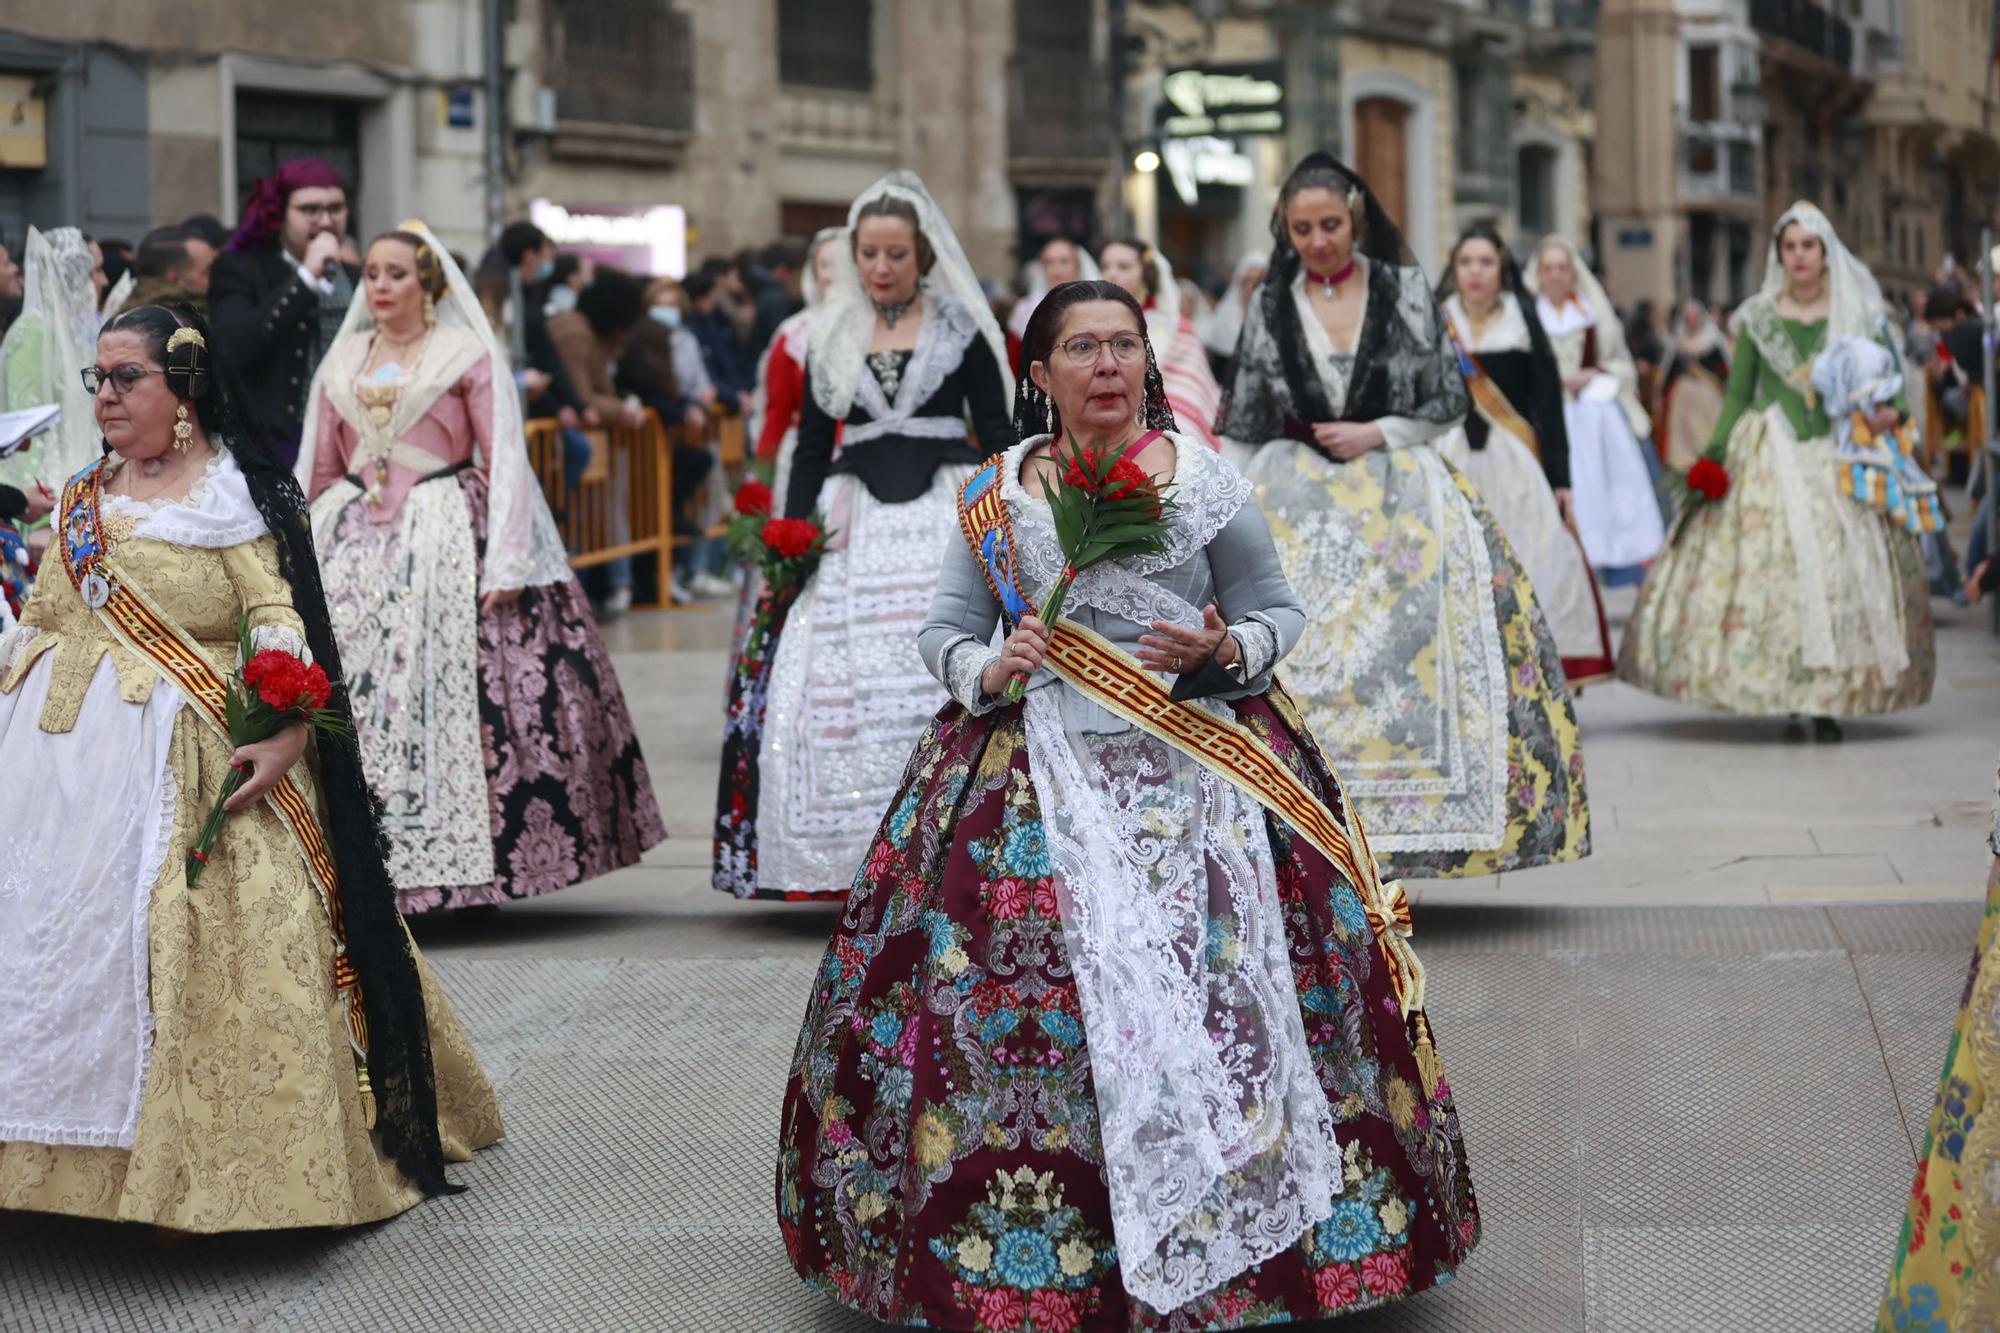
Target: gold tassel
{"type": "Point", "coordinates": [1429, 1065]}
{"type": "Point", "coordinates": [367, 1092]}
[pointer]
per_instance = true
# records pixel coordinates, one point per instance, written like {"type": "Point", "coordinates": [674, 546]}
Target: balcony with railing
{"type": "Point", "coordinates": [1058, 110]}
{"type": "Point", "coordinates": [1718, 165]}
{"type": "Point", "coordinates": [622, 72]}
{"type": "Point", "coordinates": [1807, 26]}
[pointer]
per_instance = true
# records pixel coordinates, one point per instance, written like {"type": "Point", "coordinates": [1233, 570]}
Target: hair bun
{"type": "Point", "coordinates": [187, 362]}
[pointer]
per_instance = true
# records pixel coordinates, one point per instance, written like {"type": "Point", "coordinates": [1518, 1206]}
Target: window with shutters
{"type": "Point", "coordinates": [1704, 84]}
{"type": "Point", "coordinates": [827, 44]}
{"type": "Point", "coordinates": [621, 62]}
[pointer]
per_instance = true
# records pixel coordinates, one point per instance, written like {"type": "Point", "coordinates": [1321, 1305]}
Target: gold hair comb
{"type": "Point", "coordinates": [184, 335]}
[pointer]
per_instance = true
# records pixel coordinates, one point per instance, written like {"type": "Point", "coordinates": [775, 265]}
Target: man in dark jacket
{"type": "Point", "coordinates": [721, 353]}
{"type": "Point", "coordinates": [172, 267]}
{"type": "Point", "coordinates": [779, 293]}
{"type": "Point", "coordinates": [280, 291]}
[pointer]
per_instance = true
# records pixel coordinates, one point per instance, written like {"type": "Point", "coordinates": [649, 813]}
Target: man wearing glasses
{"type": "Point", "coordinates": [280, 290]}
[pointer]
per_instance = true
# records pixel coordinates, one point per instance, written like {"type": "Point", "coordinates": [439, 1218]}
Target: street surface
{"type": "Point", "coordinates": [1694, 1069]}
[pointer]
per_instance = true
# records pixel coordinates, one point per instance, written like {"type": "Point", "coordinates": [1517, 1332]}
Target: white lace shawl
{"type": "Point", "coordinates": [1220, 1149]}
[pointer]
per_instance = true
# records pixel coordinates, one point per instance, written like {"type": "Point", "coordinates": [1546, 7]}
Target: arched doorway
{"type": "Point", "coordinates": [1381, 153]}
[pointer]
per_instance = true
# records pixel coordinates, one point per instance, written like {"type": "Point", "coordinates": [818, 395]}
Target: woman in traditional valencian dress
{"type": "Point", "coordinates": [1514, 446]}
{"type": "Point", "coordinates": [45, 349]}
{"type": "Point", "coordinates": [1192, 392]}
{"type": "Point", "coordinates": [1946, 1274]}
{"type": "Point", "coordinates": [1617, 510]}
{"type": "Point", "coordinates": [1691, 392]}
{"type": "Point", "coordinates": [820, 722]}
{"type": "Point", "coordinates": [1103, 1041]}
{"type": "Point", "coordinates": [1426, 670]}
{"type": "Point", "coordinates": [201, 1058]}
{"type": "Point", "coordinates": [1788, 595]}
{"type": "Point", "coordinates": [781, 375]}
{"type": "Point", "coordinates": [1060, 260]}
{"type": "Point", "coordinates": [492, 724]}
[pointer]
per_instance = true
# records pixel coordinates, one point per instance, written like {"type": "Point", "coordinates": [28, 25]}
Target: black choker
{"type": "Point", "coordinates": [891, 311]}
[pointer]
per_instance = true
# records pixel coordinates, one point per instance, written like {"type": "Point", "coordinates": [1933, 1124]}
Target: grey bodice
{"type": "Point", "coordinates": [1220, 551]}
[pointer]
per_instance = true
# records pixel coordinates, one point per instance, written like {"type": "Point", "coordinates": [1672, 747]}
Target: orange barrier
{"type": "Point", "coordinates": [631, 464]}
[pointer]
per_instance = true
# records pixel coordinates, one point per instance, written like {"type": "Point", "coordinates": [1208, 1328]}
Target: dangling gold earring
{"type": "Point", "coordinates": [183, 429]}
{"type": "Point", "coordinates": [430, 310]}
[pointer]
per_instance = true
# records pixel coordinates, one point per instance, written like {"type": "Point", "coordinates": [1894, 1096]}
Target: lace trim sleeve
{"type": "Point", "coordinates": [1259, 643]}
{"type": "Point", "coordinates": [12, 642]}
{"type": "Point", "coordinates": [965, 660]}
{"type": "Point", "coordinates": [282, 637]}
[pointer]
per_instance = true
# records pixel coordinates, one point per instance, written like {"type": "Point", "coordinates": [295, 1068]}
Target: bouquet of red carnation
{"type": "Point", "coordinates": [1107, 508]}
{"type": "Point", "coordinates": [752, 506]}
{"type": "Point", "coordinates": [271, 691]}
{"type": "Point", "coordinates": [1708, 479]}
{"type": "Point", "coordinates": [790, 549]}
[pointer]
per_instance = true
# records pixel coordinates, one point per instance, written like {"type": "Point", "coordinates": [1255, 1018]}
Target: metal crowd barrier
{"type": "Point", "coordinates": [621, 503]}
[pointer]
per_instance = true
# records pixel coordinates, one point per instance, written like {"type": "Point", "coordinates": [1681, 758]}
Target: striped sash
{"type": "Point", "coordinates": [137, 623]}
{"type": "Point", "coordinates": [1487, 397]}
{"type": "Point", "coordinates": [1112, 678]}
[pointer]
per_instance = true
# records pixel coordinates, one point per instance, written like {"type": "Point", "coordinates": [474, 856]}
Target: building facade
{"type": "Point", "coordinates": [1718, 114]}
{"type": "Point", "coordinates": [180, 118]}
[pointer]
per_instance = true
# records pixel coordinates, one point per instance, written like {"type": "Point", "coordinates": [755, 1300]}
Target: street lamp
{"type": "Point", "coordinates": [1147, 161]}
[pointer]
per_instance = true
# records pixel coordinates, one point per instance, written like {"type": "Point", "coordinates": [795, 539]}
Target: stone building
{"type": "Point", "coordinates": [182, 114]}
{"type": "Point", "coordinates": [1718, 114]}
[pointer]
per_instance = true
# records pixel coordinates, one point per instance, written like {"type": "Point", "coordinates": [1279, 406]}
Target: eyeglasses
{"type": "Point", "coordinates": [1125, 349]}
{"type": "Point", "coordinates": [122, 379]}
{"type": "Point", "coordinates": [318, 211]}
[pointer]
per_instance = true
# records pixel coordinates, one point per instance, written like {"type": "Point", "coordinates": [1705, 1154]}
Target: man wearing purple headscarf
{"type": "Point", "coordinates": [280, 291]}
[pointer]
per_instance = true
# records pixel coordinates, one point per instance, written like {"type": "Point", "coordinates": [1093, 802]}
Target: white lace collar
{"type": "Point", "coordinates": [1574, 317]}
{"type": "Point", "coordinates": [1507, 331]}
{"type": "Point", "coordinates": [1207, 490]}
{"type": "Point", "coordinates": [217, 512]}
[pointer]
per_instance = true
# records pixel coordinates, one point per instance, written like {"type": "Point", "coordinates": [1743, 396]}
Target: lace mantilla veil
{"type": "Point", "coordinates": [838, 343]}
{"type": "Point", "coordinates": [523, 548]}
{"type": "Point", "coordinates": [60, 305]}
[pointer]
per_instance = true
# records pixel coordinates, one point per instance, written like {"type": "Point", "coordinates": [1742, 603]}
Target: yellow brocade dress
{"type": "Point", "coordinates": [1946, 1274]}
{"type": "Point", "coordinates": [246, 1113]}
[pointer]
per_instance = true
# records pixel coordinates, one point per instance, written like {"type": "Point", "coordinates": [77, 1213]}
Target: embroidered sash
{"type": "Point", "coordinates": [137, 623]}
{"type": "Point", "coordinates": [1113, 679]}
{"type": "Point", "coordinates": [1487, 396]}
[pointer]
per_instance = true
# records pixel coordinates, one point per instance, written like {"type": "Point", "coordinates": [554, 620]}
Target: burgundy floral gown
{"type": "Point", "coordinates": [943, 1151]}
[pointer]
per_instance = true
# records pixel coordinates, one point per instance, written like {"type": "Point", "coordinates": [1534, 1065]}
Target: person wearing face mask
{"type": "Point", "coordinates": [1616, 509]}
{"type": "Point", "coordinates": [524, 260]}
{"type": "Point", "coordinates": [280, 290]}
{"type": "Point", "coordinates": [1514, 446]}
{"type": "Point", "coordinates": [1192, 391]}
{"type": "Point", "coordinates": [903, 351]}
{"type": "Point", "coordinates": [491, 723]}
{"type": "Point", "coordinates": [1149, 908]}
{"type": "Point", "coordinates": [1427, 672]}
{"type": "Point", "coordinates": [1794, 592]}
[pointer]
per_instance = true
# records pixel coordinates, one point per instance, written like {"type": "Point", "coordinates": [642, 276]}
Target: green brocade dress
{"type": "Point", "coordinates": [1785, 596]}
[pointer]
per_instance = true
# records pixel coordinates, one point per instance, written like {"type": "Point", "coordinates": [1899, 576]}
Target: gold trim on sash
{"type": "Point", "coordinates": [143, 628]}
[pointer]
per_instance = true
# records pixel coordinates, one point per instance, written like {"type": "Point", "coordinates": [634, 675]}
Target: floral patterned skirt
{"type": "Point", "coordinates": [1947, 1270]}
{"type": "Point", "coordinates": [1784, 596]}
{"type": "Point", "coordinates": [940, 1160]}
{"type": "Point", "coordinates": [1426, 670]}
{"type": "Point", "coordinates": [567, 791]}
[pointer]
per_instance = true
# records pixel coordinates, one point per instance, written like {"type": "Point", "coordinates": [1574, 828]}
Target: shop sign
{"type": "Point", "coordinates": [24, 124]}
{"type": "Point", "coordinates": [645, 240]}
{"type": "Point", "coordinates": [1193, 163]}
{"type": "Point", "coordinates": [1246, 98]}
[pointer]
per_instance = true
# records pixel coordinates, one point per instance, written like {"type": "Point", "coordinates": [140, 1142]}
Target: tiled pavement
{"type": "Point", "coordinates": [1693, 1069]}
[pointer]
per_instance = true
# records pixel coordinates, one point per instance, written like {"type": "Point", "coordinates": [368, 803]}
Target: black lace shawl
{"type": "Point", "coordinates": [1404, 365]}
{"type": "Point", "coordinates": [1531, 379]}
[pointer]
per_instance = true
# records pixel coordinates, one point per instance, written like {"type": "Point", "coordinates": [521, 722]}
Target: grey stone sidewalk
{"type": "Point", "coordinates": [1677, 1118]}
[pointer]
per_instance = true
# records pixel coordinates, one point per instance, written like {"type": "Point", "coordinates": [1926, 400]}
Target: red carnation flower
{"type": "Point", "coordinates": [1709, 478]}
{"type": "Point", "coordinates": [791, 538]}
{"type": "Point", "coordinates": [753, 498]}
